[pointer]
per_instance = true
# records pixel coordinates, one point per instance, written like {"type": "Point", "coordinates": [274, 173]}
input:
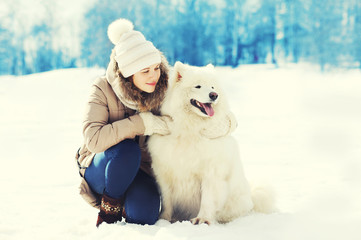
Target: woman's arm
{"type": "Point", "coordinates": [100, 135]}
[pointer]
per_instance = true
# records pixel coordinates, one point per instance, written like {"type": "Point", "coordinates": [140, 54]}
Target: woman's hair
{"type": "Point", "coordinates": [146, 101]}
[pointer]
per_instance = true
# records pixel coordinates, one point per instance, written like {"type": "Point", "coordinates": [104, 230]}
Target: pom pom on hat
{"type": "Point", "coordinates": [117, 28]}
{"type": "Point", "coordinates": [132, 51]}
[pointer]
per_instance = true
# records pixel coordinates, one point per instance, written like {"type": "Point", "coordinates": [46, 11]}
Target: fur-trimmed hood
{"type": "Point", "coordinates": [130, 95]}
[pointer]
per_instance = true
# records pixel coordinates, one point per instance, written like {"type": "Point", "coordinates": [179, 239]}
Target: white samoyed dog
{"type": "Point", "coordinates": [198, 166]}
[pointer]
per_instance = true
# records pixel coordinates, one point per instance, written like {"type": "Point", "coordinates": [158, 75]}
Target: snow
{"type": "Point", "coordinates": [299, 131]}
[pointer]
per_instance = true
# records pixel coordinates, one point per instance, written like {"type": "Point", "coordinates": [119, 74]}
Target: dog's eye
{"type": "Point", "coordinates": [212, 87]}
{"type": "Point", "coordinates": [198, 86]}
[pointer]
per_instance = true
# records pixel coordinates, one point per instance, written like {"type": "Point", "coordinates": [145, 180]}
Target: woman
{"type": "Point", "coordinates": [113, 162]}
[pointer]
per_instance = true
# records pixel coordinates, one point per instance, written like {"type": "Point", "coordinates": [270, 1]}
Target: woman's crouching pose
{"type": "Point", "coordinates": [121, 111]}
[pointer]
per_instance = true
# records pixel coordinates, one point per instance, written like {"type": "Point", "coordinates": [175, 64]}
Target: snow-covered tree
{"type": "Point", "coordinates": [356, 20]}
{"type": "Point", "coordinates": [326, 31]}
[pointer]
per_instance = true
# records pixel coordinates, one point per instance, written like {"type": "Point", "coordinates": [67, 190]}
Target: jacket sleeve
{"type": "Point", "coordinates": [99, 134]}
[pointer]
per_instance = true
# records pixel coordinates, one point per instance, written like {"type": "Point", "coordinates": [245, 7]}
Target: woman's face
{"type": "Point", "coordinates": [147, 78]}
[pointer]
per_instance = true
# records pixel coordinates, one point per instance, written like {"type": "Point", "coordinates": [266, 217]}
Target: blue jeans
{"type": "Point", "coordinates": [115, 172]}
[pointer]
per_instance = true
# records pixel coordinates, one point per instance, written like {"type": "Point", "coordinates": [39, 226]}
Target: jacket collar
{"type": "Point", "coordinates": [118, 88]}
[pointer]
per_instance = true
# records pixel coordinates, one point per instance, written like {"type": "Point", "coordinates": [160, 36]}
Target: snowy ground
{"type": "Point", "coordinates": [298, 129]}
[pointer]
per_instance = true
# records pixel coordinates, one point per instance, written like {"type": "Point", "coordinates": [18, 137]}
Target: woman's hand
{"type": "Point", "coordinates": [155, 124]}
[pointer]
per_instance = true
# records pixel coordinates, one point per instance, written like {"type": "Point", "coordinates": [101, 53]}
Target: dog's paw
{"type": "Point", "coordinates": [199, 220]}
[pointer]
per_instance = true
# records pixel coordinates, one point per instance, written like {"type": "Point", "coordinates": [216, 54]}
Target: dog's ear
{"type": "Point", "coordinates": [178, 69]}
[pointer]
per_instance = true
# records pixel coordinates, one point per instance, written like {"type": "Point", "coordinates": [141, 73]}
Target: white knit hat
{"type": "Point", "coordinates": [132, 51]}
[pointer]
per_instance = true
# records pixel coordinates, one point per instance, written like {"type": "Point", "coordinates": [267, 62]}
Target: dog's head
{"type": "Point", "coordinates": [194, 89]}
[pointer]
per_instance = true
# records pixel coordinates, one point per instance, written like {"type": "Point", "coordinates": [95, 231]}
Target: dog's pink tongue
{"type": "Point", "coordinates": [208, 108]}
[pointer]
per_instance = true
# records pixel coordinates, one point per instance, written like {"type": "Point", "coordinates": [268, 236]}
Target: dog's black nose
{"type": "Point", "coordinates": [213, 96]}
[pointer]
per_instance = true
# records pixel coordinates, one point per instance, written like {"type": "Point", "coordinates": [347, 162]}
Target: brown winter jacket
{"type": "Point", "coordinates": [111, 116]}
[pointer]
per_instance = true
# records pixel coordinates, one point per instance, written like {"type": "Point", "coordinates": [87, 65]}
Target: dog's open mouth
{"type": "Point", "coordinates": [205, 108]}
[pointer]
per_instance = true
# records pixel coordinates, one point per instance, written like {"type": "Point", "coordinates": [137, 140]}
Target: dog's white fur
{"type": "Point", "coordinates": [201, 179]}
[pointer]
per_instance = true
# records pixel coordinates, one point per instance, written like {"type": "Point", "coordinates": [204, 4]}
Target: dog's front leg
{"type": "Point", "coordinates": [167, 205]}
{"type": "Point", "coordinates": [213, 196]}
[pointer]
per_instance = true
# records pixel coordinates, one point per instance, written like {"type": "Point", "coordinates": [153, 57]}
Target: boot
{"type": "Point", "coordinates": [111, 210]}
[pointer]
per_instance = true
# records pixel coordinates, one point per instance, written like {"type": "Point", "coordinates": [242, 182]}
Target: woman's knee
{"type": "Point", "coordinates": [126, 151]}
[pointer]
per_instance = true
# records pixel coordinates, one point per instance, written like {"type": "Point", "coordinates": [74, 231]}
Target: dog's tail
{"type": "Point", "coordinates": [263, 197]}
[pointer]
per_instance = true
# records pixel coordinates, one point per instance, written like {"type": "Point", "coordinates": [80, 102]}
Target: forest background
{"type": "Point", "coordinates": [43, 35]}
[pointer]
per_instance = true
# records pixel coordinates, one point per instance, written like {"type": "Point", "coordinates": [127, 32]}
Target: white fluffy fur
{"type": "Point", "coordinates": [117, 28]}
{"type": "Point", "coordinates": [200, 179]}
